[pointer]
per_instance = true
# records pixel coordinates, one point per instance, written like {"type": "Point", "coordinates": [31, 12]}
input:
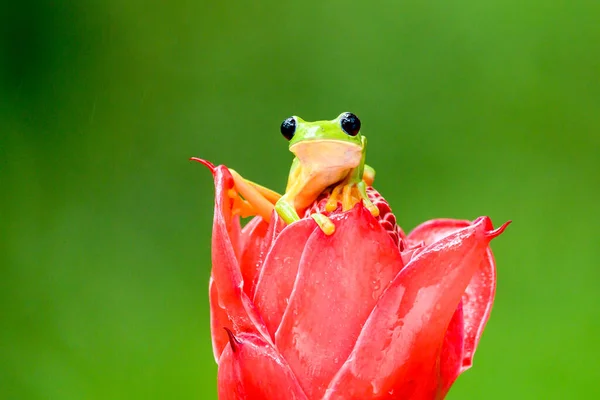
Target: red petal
{"type": "Point", "coordinates": [431, 231]}
{"type": "Point", "coordinates": [397, 351]}
{"type": "Point", "coordinates": [451, 356]}
{"type": "Point", "coordinates": [218, 321]}
{"type": "Point", "coordinates": [234, 229]}
{"type": "Point", "coordinates": [255, 247]}
{"type": "Point", "coordinates": [251, 227]}
{"type": "Point", "coordinates": [340, 278]}
{"type": "Point", "coordinates": [408, 255]}
{"type": "Point", "coordinates": [225, 267]}
{"type": "Point", "coordinates": [478, 298]}
{"type": "Point", "coordinates": [250, 369]}
{"type": "Point", "coordinates": [279, 272]}
{"type": "Point", "coordinates": [477, 306]}
{"type": "Point", "coordinates": [206, 163]}
{"type": "Point", "coordinates": [248, 229]}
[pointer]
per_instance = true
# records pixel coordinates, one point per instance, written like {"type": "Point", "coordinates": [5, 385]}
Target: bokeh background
{"type": "Point", "coordinates": [471, 108]}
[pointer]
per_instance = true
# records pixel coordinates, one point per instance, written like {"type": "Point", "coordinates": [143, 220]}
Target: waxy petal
{"type": "Point", "coordinates": [255, 248]}
{"type": "Point", "coordinates": [225, 267]}
{"type": "Point", "coordinates": [251, 369]}
{"type": "Point", "coordinates": [477, 306]}
{"type": "Point", "coordinates": [231, 222]}
{"type": "Point", "coordinates": [218, 320]}
{"type": "Point", "coordinates": [340, 278]}
{"type": "Point", "coordinates": [451, 356]}
{"type": "Point", "coordinates": [279, 272]}
{"type": "Point", "coordinates": [408, 255]}
{"type": "Point", "coordinates": [248, 229]}
{"type": "Point", "coordinates": [397, 351]}
{"type": "Point", "coordinates": [253, 253]}
{"type": "Point", "coordinates": [433, 230]}
{"type": "Point", "coordinates": [478, 298]}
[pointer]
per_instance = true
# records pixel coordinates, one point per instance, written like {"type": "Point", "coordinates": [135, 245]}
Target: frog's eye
{"type": "Point", "coordinates": [288, 128]}
{"type": "Point", "coordinates": [350, 124]}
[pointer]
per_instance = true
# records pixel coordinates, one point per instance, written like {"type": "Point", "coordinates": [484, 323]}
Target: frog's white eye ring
{"type": "Point", "coordinates": [288, 128]}
{"type": "Point", "coordinates": [350, 124]}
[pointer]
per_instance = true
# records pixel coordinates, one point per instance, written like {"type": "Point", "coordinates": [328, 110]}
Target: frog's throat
{"type": "Point", "coordinates": [328, 154]}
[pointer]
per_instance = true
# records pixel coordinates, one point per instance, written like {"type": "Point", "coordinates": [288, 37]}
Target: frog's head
{"type": "Point", "coordinates": [339, 139]}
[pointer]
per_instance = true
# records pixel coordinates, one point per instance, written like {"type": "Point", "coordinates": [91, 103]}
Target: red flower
{"type": "Point", "coordinates": [366, 313]}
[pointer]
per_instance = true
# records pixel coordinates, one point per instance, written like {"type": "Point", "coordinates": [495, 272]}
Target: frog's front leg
{"type": "Point", "coordinates": [286, 210]}
{"type": "Point", "coordinates": [258, 200]}
{"type": "Point", "coordinates": [369, 175]}
{"type": "Point", "coordinates": [354, 188]}
{"type": "Point", "coordinates": [285, 205]}
{"type": "Point", "coordinates": [350, 192]}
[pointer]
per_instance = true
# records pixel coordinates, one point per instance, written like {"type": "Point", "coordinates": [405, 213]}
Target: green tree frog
{"type": "Point", "coordinates": [328, 155]}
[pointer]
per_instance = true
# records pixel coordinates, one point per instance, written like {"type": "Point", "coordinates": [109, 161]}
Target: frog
{"type": "Point", "coordinates": [330, 156]}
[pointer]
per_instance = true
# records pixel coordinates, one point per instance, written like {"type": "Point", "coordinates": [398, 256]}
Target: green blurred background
{"type": "Point", "coordinates": [471, 108]}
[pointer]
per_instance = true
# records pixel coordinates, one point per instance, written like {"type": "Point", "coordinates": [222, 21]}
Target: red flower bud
{"type": "Point", "coordinates": [366, 313]}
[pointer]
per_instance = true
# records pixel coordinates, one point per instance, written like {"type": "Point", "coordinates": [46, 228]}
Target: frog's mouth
{"type": "Point", "coordinates": [328, 153]}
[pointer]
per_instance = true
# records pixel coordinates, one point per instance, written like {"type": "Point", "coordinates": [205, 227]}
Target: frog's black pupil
{"type": "Point", "coordinates": [350, 124]}
{"type": "Point", "coordinates": [288, 128]}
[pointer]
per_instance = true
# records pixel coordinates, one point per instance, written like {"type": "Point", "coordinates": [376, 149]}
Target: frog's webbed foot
{"type": "Point", "coordinates": [288, 213]}
{"type": "Point", "coordinates": [257, 199]}
{"type": "Point", "coordinates": [241, 206]}
{"type": "Point", "coordinates": [350, 193]}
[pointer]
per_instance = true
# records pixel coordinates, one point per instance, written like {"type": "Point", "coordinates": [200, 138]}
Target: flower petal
{"type": "Point", "coordinates": [225, 267]}
{"type": "Point", "coordinates": [431, 231]}
{"type": "Point", "coordinates": [478, 298]}
{"type": "Point", "coordinates": [279, 272]}
{"type": "Point", "coordinates": [397, 351]}
{"type": "Point", "coordinates": [255, 247]}
{"type": "Point", "coordinates": [451, 356]}
{"type": "Point", "coordinates": [257, 241]}
{"type": "Point", "coordinates": [408, 255]}
{"type": "Point", "coordinates": [218, 320]}
{"type": "Point", "coordinates": [251, 369]}
{"type": "Point", "coordinates": [248, 229]}
{"type": "Point", "coordinates": [477, 306]}
{"type": "Point", "coordinates": [232, 222]}
{"type": "Point", "coordinates": [340, 278]}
